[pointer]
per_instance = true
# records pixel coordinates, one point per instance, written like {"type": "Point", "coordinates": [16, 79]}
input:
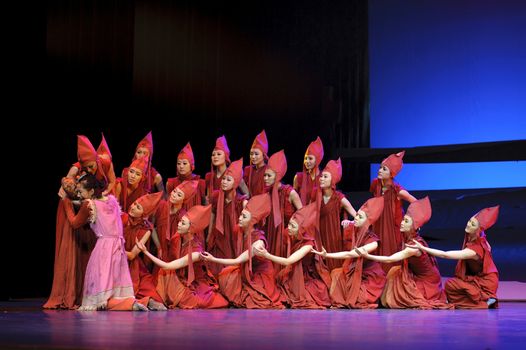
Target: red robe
{"type": "Point", "coordinates": [216, 181]}
{"type": "Point", "coordinates": [388, 225]}
{"type": "Point", "coordinates": [143, 281]}
{"type": "Point", "coordinates": [276, 239]}
{"type": "Point", "coordinates": [256, 290]}
{"type": "Point", "coordinates": [330, 227]}
{"type": "Point", "coordinates": [228, 244]}
{"type": "Point", "coordinates": [202, 292]}
{"type": "Point", "coordinates": [305, 284]}
{"type": "Point", "coordinates": [254, 180]}
{"type": "Point", "coordinates": [73, 246]}
{"type": "Point", "coordinates": [130, 196]}
{"type": "Point", "coordinates": [475, 281]}
{"type": "Point", "coordinates": [359, 283]}
{"type": "Point", "coordinates": [416, 284]}
{"type": "Point", "coordinates": [312, 187]}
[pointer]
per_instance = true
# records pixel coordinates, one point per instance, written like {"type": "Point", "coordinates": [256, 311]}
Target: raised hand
{"type": "Point", "coordinates": [260, 251]}
{"type": "Point", "coordinates": [140, 245]}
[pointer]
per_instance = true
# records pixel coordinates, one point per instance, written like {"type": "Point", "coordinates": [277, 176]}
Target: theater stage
{"type": "Point", "coordinates": [24, 325]}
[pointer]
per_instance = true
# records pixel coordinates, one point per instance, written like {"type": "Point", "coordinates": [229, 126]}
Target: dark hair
{"type": "Point", "coordinates": [90, 182]}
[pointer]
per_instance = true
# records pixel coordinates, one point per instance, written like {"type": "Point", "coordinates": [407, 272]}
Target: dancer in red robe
{"type": "Point", "coordinates": [75, 241]}
{"type": "Point", "coordinates": [133, 186]}
{"type": "Point", "coordinates": [168, 215]}
{"type": "Point", "coordinates": [307, 182]}
{"type": "Point", "coordinates": [153, 180]}
{"type": "Point", "coordinates": [193, 287]}
{"type": "Point", "coordinates": [253, 173]}
{"type": "Point", "coordinates": [223, 240]}
{"type": "Point", "coordinates": [285, 201]}
{"type": "Point", "coordinates": [359, 283]}
{"type": "Point", "coordinates": [388, 225]}
{"type": "Point", "coordinates": [185, 168]}
{"type": "Point", "coordinates": [476, 276]}
{"type": "Point", "coordinates": [249, 280]}
{"type": "Point", "coordinates": [137, 227]}
{"type": "Point", "coordinates": [304, 282]}
{"type": "Point", "coordinates": [416, 284]}
{"type": "Point", "coordinates": [330, 203]}
{"type": "Point", "coordinates": [220, 162]}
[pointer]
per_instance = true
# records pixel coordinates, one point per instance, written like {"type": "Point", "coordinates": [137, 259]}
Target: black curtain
{"type": "Point", "coordinates": [191, 71]}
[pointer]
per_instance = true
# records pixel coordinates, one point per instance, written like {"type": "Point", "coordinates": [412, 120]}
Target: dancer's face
{"type": "Point", "coordinates": [384, 173]}
{"type": "Point", "coordinates": [256, 156]}
{"type": "Point", "coordinates": [136, 210]}
{"type": "Point", "coordinates": [293, 228]}
{"type": "Point", "coordinates": [176, 196]}
{"type": "Point", "coordinates": [183, 226]}
{"type": "Point", "coordinates": [244, 218]}
{"type": "Point", "coordinates": [141, 152]}
{"type": "Point", "coordinates": [227, 183]}
{"type": "Point", "coordinates": [218, 157]}
{"type": "Point", "coordinates": [269, 177]}
{"type": "Point", "coordinates": [406, 225]}
{"type": "Point", "coordinates": [360, 219]}
{"type": "Point", "coordinates": [83, 193]}
{"type": "Point", "coordinates": [90, 167]}
{"type": "Point", "coordinates": [472, 226]}
{"type": "Point", "coordinates": [325, 180]}
{"type": "Point", "coordinates": [134, 175]}
{"type": "Point", "coordinates": [183, 167]}
{"type": "Point", "coordinates": [309, 161]}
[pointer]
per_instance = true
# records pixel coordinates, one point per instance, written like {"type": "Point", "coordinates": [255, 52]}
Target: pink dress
{"type": "Point", "coordinates": [107, 274]}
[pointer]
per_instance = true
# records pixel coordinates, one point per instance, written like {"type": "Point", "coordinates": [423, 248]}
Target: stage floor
{"type": "Point", "coordinates": [24, 325]}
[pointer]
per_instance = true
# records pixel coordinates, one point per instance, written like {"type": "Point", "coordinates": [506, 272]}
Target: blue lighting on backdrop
{"type": "Point", "coordinates": [448, 72]}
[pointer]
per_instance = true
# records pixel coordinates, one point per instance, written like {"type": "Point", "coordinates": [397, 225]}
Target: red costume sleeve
{"type": "Point", "coordinates": [81, 218]}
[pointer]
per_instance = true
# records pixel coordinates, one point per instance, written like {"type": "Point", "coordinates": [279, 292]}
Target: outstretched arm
{"type": "Point", "coordinates": [293, 258]}
{"type": "Point", "coordinates": [237, 261]}
{"type": "Point", "coordinates": [172, 265]}
{"type": "Point", "coordinates": [398, 256]}
{"type": "Point", "coordinates": [463, 254]}
{"type": "Point", "coordinates": [348, 207]}
{"type": "Point", "coordinates": [406, 196]}
{"type": "Point", "coordinates": [369, 247]}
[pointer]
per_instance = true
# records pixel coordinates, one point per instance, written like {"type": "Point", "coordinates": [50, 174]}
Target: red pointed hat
{"type": "Point", "coordinates": [189, 188]}
{"type": "Point", "coordinates": [141, 164]}
{"type": "Point", "coordinates": [373, 208]}
{"type": "Point", "coordinates": [103, 147]}
{"type": "Point", "coordinates": [316, 149]}
{"type": "Point", "coordinates": [146, 142]}
{"type": "Point", "coordinates": [199, 217]}
{"type": "Point", "coordinates": [278, 164]}
{"type": "Point", "coordinates": [487, 217]}
{"type": "Point", "coordinates": [420, 212]}
{"type": "Point", "coordinates": [149, 202]}
{"type": "Point", "coordinates": [261, 143]}
{"type": "Point", "coordinates": [394, 162]}
{"type": "Point", "coordinates": [188, 154]}
{"type": "Point", "coordinates": [335, 168]}
{"type": "Point", "coordinates": [85, 150]}
{"type": "Point", "coordinates": [222, 145]}
{"type": "Point", "coordinates": [305, 218]}
{"type": "Point", "coordinates": [258, 207]}
{"type": "Point", "coordinates": [236, 171]}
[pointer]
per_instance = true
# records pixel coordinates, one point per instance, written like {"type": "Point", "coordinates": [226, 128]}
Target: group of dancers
{"type": "Point", "coordinates": [242, 238]}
